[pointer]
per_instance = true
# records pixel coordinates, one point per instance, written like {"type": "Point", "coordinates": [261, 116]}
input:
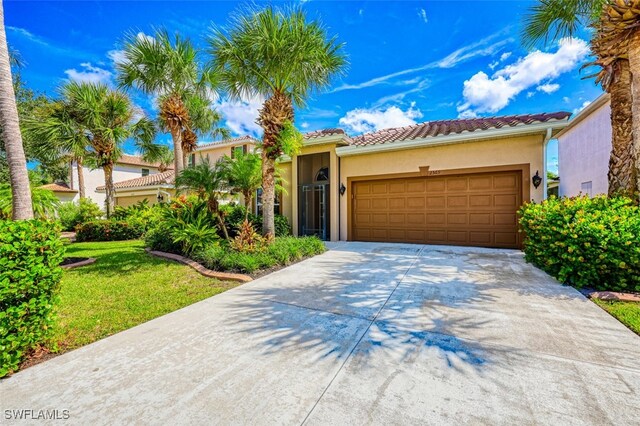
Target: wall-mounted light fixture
{"type": "Point", "coordinates": [160, 197]}
{"type": "Point", "coordinates": [343, 189]}
{"type": "Point", "coordinates": [536, 180]}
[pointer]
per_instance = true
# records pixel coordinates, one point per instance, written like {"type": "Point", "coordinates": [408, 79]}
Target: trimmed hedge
{"type": "Point", "coordinates": [30, 255]}
{"type": "Point", "coordinates": [108, 230]}
{"type": "Point", "coordinates": [585, 242]}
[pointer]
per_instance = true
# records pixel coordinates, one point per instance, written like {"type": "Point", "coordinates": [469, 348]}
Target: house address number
{"type": "Point", "coordinates": [434, 172]}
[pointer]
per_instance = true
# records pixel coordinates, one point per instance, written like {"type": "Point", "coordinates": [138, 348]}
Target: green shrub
{"type": "Point", "coordinates": [44, 202]}
{"type": "Point", "coordinates": [282, 251]}
{"type": "Point", "coordinates": [72, 214]}
{"type": "Point", "coordinates": [282, 225]}
{"type": "Point", "coordinates": [30, 254]}
{"type": "Point", "coordinates": [108, 230]}
{"type": "Point", "coordinates": [585, 242]}
{"type": "Point", "coordinates": [234, 216]}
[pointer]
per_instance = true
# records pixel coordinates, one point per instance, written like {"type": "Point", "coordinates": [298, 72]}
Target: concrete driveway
{"type": "Point", "coordinates": [365, 333]}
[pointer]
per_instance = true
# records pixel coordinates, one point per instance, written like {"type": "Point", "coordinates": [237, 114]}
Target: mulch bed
{"type": "Point", "coordinates": [38, 355]}
{"type": "Point", "coordinates": [611, 295]}
{"type": "Point", "coordinates": [75, 262]}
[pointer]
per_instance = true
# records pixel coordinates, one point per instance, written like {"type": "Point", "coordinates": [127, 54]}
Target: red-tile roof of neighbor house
{"type": "Point", "coordinates": [323, 132]}
{"type": "Point", "coordinates": [446, 127]}
{"type": "Point", "coordinates": [229, 141]}
{"type": "Point", "coordinates": [58, 187]}
{"type": "Point", "coordinates": [136, 160]}
{"type": "Point", "coordinates": [165, 178]}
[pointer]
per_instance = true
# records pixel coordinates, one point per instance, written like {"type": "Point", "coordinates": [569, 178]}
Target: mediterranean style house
{"type": "Point", "coordinates": [456, 182]}
{"type": "Point", "coordinates": [584, 148]}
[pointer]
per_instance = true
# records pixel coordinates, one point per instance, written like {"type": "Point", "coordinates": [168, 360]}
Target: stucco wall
{"type": "Point", "coordinates": [129, 198]}
{"type": "Point", "coordinates": [583, 154]}
{"type": "Point", "coordinates": [214, 153]}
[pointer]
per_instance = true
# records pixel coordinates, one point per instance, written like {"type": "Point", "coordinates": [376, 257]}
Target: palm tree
{"type": "Point", "coordinates": [204, 120]}
{"type": "Point", "coordinates": [281, 56]}
{"type": "Point", "coordinates": [22, 207]}
{"type": "Point", "coordinates": [64, 140]}
{"type": "Point", "coordinates": [167, 69]}
{"type": "Point", "coordinates": [612, 44]}
{"type": "Point", "coordinates": [209, 184]}
{"type": "Point", "coordinates": [105, 117]}
{"type": "Point", "coordinates": [244, 175]}
{"type": "Point", "coordinates": [163, 156]}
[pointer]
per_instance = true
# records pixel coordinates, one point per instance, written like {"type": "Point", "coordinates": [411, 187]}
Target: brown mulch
{"type": "Point", "coordinates": [36, 356]}
{"type": "Point", "coordinates": [72, 260]}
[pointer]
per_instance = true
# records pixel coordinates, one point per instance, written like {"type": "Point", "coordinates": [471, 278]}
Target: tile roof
{"type": "Point", "coordinates": [229, 141]}
{"type": "Point", "coordinates": [324, 132]}
{"type": "Point", "coordinates": [446, 127]}
{"type": "Point", "coordinates": [136, 160]}
{"type": "Point", "coordinates": [165, 178]}
{"type": "Point", "coordinates": [58, 187]}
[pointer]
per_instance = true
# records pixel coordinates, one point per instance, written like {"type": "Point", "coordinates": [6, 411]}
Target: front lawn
{"type": "Point", "coordinates": [125, 287]}
{"type": "Point", "coordinates": [627, 313]}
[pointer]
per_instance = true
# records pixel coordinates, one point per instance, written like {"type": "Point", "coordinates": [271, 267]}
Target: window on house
{"type": "Point", "coordinates": [276, 205]}
{"type": "Point", "coordinates": [145, 172]}
{"type": "Point", "coordinates": [586, 188]}
{"type": "Point", "coordinates": [240, 149]}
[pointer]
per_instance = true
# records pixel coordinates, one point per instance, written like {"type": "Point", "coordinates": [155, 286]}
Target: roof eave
{"type": "Point", "coordinates": [137, 188]}
{"type": "Point", "coordinates": [465, 137]}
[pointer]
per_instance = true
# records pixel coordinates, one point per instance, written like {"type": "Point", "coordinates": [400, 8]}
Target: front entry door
{"type": "Point", "coordinates": [314, 210]}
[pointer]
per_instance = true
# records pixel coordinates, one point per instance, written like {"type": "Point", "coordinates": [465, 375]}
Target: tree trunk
{"type": "Point", "coordinates": [178, 157]}
{"type": "Point", "coordinates": [247, 204]}
{"type": "Point", "coordinates": [21, 192]}
{"type": "Point", "coordinates": [622, 176]}
{"type": "Point", "coordinates": [634, 65]}
{"type": "Point", "coordinates": [275, 111]}
{"type": "Point", "coordinates": [109, 189]}
{"type": "Point", "coordinates": [79, 166]}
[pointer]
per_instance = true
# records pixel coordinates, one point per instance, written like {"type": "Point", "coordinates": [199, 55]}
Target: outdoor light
{"type": "Point", "coordinates": [160, 198]}
{"type": "Point", "coordinates": [536, 179]}
{"type": "Point", "coordinates": [343, 189]}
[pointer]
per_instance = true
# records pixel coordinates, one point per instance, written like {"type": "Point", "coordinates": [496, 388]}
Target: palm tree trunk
{"type": "Point", "coordinates": [80, 169]}
{"type": "Point", "coordinates": [20, 190]}
{"type": "Point", "coordinates": [268, 195]}
{"type": "Point", "coordinates": [178, 158]}
{"type": "Point", "coordinates": [634, 65]}
{"type": "Point", "coordinates": [109, 201]}
{"type": "Point", "coordinates": [622, 175]}
{"type": "Point", "coordinates": [247, 204]}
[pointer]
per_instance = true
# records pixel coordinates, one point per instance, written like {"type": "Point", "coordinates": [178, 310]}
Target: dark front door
{"type": "Point", "coordinates": [313, 195]}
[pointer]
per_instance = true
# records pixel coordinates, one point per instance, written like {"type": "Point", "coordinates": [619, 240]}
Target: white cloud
{"type": "Point", "coordinates": [581, 107]}
{"type": "Point", "coordinates": [548, 88]}
{"type": "Point", "coordinates": [117, 56]}
{"type": "Point", "coordinates": [423, 15]}
{"type": "Point", "coordinates": [89, 74]}
{"type": "Point", "coordinates": [240, 116]}
{"type": "Point", "coordinates": [566, 100]}
{"type": "Point", "coordinates": [490, 94]}
{"type": "Point", "coordinates": [530, 94]}
{"type": "Point", "coordinates": [505, 56]}
{"type": "Point", "coordinates": [361, 120]}
{"type": "Point", "coordinates": [304, 125]}
{"type": "Point", "coordinates": [494, 64]}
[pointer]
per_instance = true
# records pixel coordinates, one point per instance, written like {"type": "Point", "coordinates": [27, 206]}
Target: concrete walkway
{"type": "Point", "coordinates": [366, 333]}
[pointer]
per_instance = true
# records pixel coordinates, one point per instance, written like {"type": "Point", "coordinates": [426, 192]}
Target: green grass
{"type": "Point", "coordinates": [627, 313]}
{"type": "Point", "coordinates": [123, 288]}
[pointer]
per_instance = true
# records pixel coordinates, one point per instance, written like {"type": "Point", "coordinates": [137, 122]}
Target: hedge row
{"type": "Point", "coordinates": [30, 255]}
{"type": "Point", "coordinates": [585, 242]}
{"type": "Point", "coordinates": [108, 230]}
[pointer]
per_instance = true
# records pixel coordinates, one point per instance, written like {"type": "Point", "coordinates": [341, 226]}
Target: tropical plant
{"type": "Point", "coordinates": [105, 117]}
{"type": "Point", "coordinates": [44, 203]}
{"type": "Point", "coordinates": [163, 156]}
{"type": "Point", "coordinates": [243, 172]}
{"type": "Point", "coordinates": [279, 55]}
{"type": "Point", "coordinates": [72, 214]}
{"type": "Point", "coordinates": [616, 45]}
{"type": "Point", "coordinates": [209, 184]}
{"type": "Point", "coordinates": [17, 163]}
{"type": "Point", "coordinates": [169, 70]}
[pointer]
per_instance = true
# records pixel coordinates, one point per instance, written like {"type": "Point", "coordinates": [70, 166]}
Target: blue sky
{"type": "Point", "coordinates": [410, 61]}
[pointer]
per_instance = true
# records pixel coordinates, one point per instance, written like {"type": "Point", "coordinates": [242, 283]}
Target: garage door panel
{"type": "Point", "coordinates": [468, 209]}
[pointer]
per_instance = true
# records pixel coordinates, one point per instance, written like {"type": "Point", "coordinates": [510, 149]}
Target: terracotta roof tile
{"type": "Point", "coordinates": [323, 132]}
{"type": "Point", "coordinates": [136, 160]}
{"type": "Point", "coordinates": [58, 187]}
{"type": "Point", "coordinates": [165, 178]}
{"type": "Point", "coordinates": [228, 141]}
{"type": "Point", "coordinates": [446, 127]}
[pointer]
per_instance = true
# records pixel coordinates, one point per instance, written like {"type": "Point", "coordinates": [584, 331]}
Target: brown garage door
{"type": "Point", "coordinates": [470, 209]}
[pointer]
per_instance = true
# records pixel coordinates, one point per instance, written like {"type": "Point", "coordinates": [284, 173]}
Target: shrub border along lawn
{"type": "Point", "coordinates": [199, 268]}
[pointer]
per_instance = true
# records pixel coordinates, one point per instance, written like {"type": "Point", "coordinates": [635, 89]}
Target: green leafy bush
{"type": "Point", "coordinates": [108, 230]}
{"type": "Point", "coordinates": [30, 254]}
{"type": "Point", "coordinates": [140, 214]}
{"type": "Point", "coordinates": [282, 251]}
{"type": "Point", "coordinates": [234, 216]}
{"type": "Point", "coordinates": [282, 225]}
{"type": "Point", "coordinates": [44, 202]}
{"type": "Point", "coordinates": [72, 214]}
{"type": "Point", "coordinates": [585, 242]}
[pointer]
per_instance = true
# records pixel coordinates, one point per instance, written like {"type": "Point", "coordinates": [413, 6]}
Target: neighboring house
{"type": "Point", "coordinates": [584, 148]}
{"type": "Point", "coordinates": [457, 182]}
{"type": "Point", "coordinates": [62, 191]}
{"type": "Point", "coordinates": [126, 168]}
{"type": "Point", "coordinates": [159, 187]}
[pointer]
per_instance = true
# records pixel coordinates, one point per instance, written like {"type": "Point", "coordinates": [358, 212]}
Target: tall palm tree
{"type": "Point", "coordinates": [209, 183]}
{"type": "Point", "coordinates": [167, 69]}
{"type": "Point", "coordinates": [22, 207]}
{"type": "Point", "coordinates": [163, 156]}
{"type": "Point", "coordinates": [616, 30]}
{"type": "Point", "coordinates": [281, 56]}
{"type": "Point", "coordinates": [244, 175]}
{"type": "Point", "coordinates": [106, 119]}
{"type": "Point", "coordinates": [66, 140]}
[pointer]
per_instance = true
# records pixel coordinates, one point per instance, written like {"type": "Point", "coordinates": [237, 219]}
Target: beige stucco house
{"type": "Point", "coordinates": [456, 182]}
{"type": "Point", "coordinates": [584, 148]}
